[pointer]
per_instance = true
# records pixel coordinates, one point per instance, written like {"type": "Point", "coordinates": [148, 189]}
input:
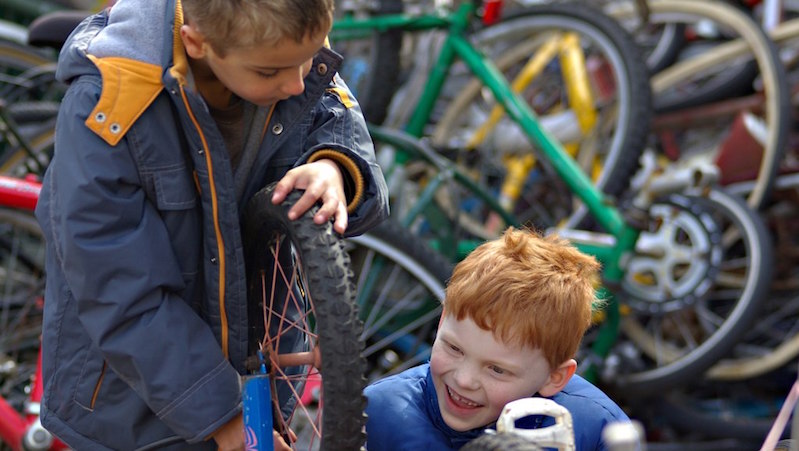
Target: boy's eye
{"type": "Point", "coordinates": [497, 370]}
{"type": "Point", "coordinates": [454, 348]}
{"type": "Point", "coordinates": [266, 74]}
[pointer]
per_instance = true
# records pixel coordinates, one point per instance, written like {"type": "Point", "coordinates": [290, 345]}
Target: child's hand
{"type": "Point", "coordinates": [279, 444]}
{"type": "Point", "coordinates": [321, 180]}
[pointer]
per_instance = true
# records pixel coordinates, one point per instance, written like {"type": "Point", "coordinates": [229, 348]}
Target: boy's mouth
{"type": "Point", "coordinates": [461, 402]}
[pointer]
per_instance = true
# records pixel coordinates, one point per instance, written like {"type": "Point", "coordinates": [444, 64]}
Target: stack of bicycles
{"type": "Point", "coordinates": [653, 134]}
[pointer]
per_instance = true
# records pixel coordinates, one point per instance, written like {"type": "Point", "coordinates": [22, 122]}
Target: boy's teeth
{"type": "Point", "coordinates": [458, 398]}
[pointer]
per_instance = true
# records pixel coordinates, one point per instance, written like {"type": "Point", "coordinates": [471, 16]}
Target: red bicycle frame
{"type": "Point", "coordinates": [23, 430]}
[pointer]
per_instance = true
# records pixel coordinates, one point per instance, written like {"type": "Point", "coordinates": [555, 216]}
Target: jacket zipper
{"type": "Point", "coordinates": [98, 385]}
{"type": "Point", "coordinates": [215, 210]}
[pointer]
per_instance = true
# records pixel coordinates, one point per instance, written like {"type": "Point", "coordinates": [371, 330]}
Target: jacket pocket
{"type": "Point", "coordinates": [175, 189]}
{"type": "Point", "coordinates": [90, 381]}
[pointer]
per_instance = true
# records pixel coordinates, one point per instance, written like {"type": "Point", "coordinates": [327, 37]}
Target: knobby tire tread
{"type": "Point", "coordinates": [329, 279]}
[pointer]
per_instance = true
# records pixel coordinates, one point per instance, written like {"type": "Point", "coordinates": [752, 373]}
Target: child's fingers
{"type": "Point", "coordinates": [333, 208]}
{"type": "Point", "coordinates": [306, 201]}
{"type": "Point", "coordinates": [284, 187]}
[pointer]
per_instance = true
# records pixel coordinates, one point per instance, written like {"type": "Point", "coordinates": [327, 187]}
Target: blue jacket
{"type": "Point", "coordinates": [404, 415]}
{"type": "Point", "coordinates": [145, 325]}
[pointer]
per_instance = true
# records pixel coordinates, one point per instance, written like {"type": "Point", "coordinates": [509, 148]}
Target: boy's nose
{"type": "Point", "coordinates": [294, 85]}
{"type": "Point", "coordinates": [465, 379]}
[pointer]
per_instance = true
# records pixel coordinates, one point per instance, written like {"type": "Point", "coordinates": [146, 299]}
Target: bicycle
{"type": "Point", "coordinates": [607, 142]}
{"type": "Point", "coordinates": [22, 251]}
{"type": "Point", "coordinates": [647, 369]}
{"type": "Point", "coordinates": [765, 117]}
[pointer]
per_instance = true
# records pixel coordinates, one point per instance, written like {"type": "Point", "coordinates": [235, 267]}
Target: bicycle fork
{"type": "Point", "coordinates": [25, 431]}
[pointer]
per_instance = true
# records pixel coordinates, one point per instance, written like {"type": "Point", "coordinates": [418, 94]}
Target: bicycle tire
{"type": "Point", "coordinates": [661, 45]}
{"type": "Point", "coordinates": [742, 410]}
{"type": "Point", "coordinates": [684, 316]}
{"type": "Point", "coordinates": [373, 76]}
{"type": "Point", "coordinates": [28, 73]}
{"type": "Point", "coordinates": [35, 124]}
{"type": "Point", "coordinates": [500, 442]}
{"type": "Point", "coordinates": [773, 342]}
{"type": "Point", "coordinates": [731, 81]}
{"type": "Point", "coordinates": [628, 117]}
{"type": "Point", "coordinates": [22, 280]}
{"type": "Point", "coordinates": [314, 311]}
{"type": "Point", "coordinates": [772, 72]}
{"type": "Point", "coordinates": [735, 81]}
{"type": "Point", "coordinates": [400, 284]}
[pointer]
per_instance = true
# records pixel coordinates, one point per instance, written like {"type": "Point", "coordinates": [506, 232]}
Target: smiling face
{"type": "Point", "coordinates": [262, 75]}
{"type": "Point", "coordinates": [475, 375]}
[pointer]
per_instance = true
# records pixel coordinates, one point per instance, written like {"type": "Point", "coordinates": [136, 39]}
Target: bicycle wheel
{"type": "Point", "coordinates": [28, 138]}
{"type": "Point", "coordinates": [500, 442]}
{"type": "Point", "coordinates": [772, 342]}
{"type": "Point", "coordinates": [21, 302]}
{"type": "Point", "coordinates": [605, 131]}
{"type": "Point", "coordinates": [741, 409]}
{"type": "Point", "coordinates": [371, 65]}
{"type": "Point", "coordinates": [691, 290]}
{"type": "Point", "coordinates": [28, 73]}
{"type": "Point", "coordinates": [661, 44]}
{"type": "Point", "coordinates": [303, 319]}
{"type": "Point", "coordinates": [400, 285]}
{"type": "Point", "coordinates": [711, 131]}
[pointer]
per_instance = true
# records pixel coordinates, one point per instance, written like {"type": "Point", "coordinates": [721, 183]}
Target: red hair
{"type": "Point", "coordinates": [530, 290]}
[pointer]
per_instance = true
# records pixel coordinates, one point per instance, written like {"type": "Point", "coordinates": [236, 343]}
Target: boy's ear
{"type": "Point", "coordinates": [193, 41]}
{"type": "Point", "coordinates": [558, 378]}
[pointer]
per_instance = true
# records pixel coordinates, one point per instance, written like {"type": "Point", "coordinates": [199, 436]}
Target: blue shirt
{"type": "Point", "coordinates": [404, 414]}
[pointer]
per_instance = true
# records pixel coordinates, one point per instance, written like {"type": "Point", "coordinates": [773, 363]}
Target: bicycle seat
{"type": "Point", "coordinates": [53, 29]}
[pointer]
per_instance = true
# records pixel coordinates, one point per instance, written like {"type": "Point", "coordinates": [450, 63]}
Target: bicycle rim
{"type": "Point", "coordinates": [619, 92]}
{"type": "Point", "coordinates": [752, 43]}
{"type": "Point", "coordinates": [691, 290]}
{"type": "Point", "coordinates": [773, 341]}
{"type": "Point", "coordinates": [400, 285]}
{"type": "Point", "coordinates": [303, 318]}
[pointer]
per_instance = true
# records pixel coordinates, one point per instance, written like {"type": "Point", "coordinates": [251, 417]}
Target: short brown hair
{"type": "Point", "coordinates": [227, 24]}
{"type": "Point", "coordinates": [530, 290]}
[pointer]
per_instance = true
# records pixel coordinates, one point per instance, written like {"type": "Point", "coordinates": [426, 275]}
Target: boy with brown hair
{"type": "Point", "coordinates": [515, 311]}
{"type": "Point", "coordinates": [177, 112]}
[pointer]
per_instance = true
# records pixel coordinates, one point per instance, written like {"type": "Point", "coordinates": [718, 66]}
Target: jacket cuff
{"type": "Point", "coordinates": [353, 179]}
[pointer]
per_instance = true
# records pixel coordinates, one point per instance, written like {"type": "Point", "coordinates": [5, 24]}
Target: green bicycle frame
{"type": "Point", "coordinates": [621, 236]}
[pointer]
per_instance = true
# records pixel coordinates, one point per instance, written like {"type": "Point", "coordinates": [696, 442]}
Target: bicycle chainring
{"type": "Point", "coordinates": [676, 260]}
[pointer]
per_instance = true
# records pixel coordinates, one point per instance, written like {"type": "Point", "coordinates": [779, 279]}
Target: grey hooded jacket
{"type": "Point", "coordinates": [145, 325]}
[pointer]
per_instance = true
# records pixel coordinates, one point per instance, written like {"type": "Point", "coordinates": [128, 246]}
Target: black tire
{"type": "Point", "coordinates": [689, 305]}
{"type": "Point", "coordinates": [371, 66]}
{"type": "Point", "coordinates": [27, 112]}
{"type": "Point", "coordinates": [323, 301]}
{"type": "Point", "coordinates": [609, 152]}
{"type": "Point", "coordinates": [500, 442]}
{"type": "Point", "coordinates": [773, 341]}
{"type": "Point", "coordinates": [775, 118]}
{"type": "Point", "coordinates": [34, 123]}
{"type": "Point", "coordinates": [28, 73]}
{"type": "Point", "coordinates": [732, 80]}
{"type": "Point", "coordinates": [743, 410]}
{"type": "Point", "coordinates": [400, 284]}
{"type": "Point", "coordinates": [661, 44]}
